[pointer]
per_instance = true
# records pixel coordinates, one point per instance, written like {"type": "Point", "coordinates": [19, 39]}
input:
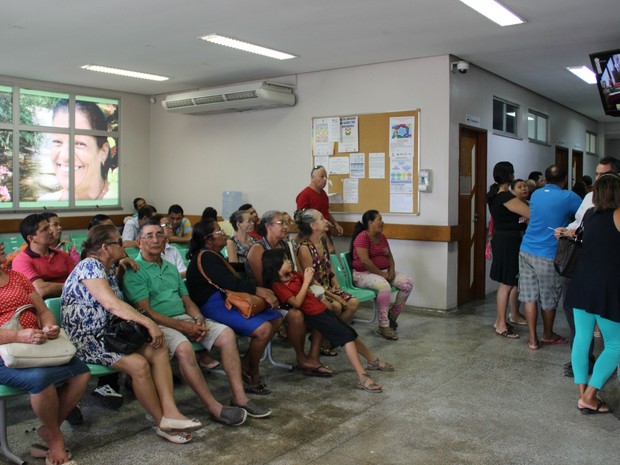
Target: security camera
{"type": "Point", "coordinates": [461, 66]}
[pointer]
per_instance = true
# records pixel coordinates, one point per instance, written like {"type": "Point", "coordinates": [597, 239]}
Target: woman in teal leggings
{"type": "Point", "coordinates": [594, 293]}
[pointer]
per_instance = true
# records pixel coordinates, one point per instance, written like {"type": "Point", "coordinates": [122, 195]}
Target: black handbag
{"type": "Point", "coordinates": [567, 253]}
{"type": "Point", "coordinates": [124, 336]}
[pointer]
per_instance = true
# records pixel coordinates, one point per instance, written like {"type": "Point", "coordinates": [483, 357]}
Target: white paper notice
{"type": "Point", "coordinates": [350, 191]}
{"type": "Point", "coordinates": [401, 203]}
{"type": "Point", "coordinates": [376, 165]}
{"type": "Point", "coordinates": [401, 173]}
{"type": "Point", "coordinates": [333, 129]}
{"type": "Point", "coordinates": [357, 165]}
{"type": "Point", "coordinates": [321, 143]}
{"type": "Point", "coordinates": [348, 135]}
{"type": "Point", "coordinates": [338, 165]}
{"type": "Point", "coordinates": [401, 132]}
{"type": "Point", "coordinates": [321, 161]}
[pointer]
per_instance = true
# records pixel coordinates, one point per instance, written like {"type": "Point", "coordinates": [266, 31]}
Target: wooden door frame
{"type": "Point", "coordinates": [477, 291]}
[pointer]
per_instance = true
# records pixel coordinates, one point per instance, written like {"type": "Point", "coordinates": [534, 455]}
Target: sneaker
{"type": "Point", "coordinates": [75, 416]}
{"type": "Point", "coordinates": [253, 410]}
{"type": "Point", "coordinates": [110, 398]}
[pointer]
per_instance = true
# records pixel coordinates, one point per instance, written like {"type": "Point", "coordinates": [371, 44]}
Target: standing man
{"type": "Point", "coordinates": [157, 288]}
{"type": "Point", "coordinates": [550, 208]}
{"type": "Point", "coordinates": [314, 196]}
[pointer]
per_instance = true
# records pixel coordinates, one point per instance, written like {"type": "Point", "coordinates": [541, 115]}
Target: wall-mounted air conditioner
{"type": "Point", "coordinates": [243, 97]}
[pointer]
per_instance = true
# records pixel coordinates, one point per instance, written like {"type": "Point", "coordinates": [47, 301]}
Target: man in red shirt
{"type": "Point", "coordinates": [314, 196]}
{"type": "Point", "coordinates": [45, 267]}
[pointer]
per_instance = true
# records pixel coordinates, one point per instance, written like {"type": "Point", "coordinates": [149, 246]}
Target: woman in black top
{"type": "Point", "coordinates": [594, 293]}
{"type": "Point", "coordinates": [507, 212]}
{"type": "Point", "coordinates": [208, 238]}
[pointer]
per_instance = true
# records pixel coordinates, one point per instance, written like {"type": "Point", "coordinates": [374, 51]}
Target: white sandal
{"type": "Point", "coordinates": [175, 437]}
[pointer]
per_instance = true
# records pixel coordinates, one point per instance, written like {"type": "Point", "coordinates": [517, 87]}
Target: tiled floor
{"type": "Point", "coordinates": [460, 395]}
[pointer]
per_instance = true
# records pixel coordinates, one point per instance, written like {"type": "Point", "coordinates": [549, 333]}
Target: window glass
{"type": "Point", "coordinates": [36, 107]}
{"type": "Point", "coordinates": [6, 169]}
{"type": "Point", "coordinates": [6, 104]}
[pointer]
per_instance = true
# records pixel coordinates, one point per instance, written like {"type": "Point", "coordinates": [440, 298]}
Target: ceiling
{"type": "Point", "coordinates": [50, 40]}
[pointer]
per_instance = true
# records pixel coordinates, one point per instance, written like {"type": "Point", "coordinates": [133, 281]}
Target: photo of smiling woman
{"type": "Point", "coordinates": [95, 157]}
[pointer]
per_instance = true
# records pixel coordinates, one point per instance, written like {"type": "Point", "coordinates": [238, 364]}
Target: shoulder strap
{"type": "Point", "coordinates": [202, 272]}
{"type": "Point", "coordinates": [14, 323]}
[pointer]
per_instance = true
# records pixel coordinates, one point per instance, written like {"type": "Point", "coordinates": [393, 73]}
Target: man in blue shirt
{"type": "Point", "coordinates": [550, 207]}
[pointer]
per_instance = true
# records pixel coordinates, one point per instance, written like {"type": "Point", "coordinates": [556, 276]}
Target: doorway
{"type": "Point", "coordinates": [576, 167]}
{"type": "Point", "coordinates": [472, 214]}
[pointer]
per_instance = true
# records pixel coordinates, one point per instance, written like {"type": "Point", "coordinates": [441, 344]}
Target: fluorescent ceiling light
{"type": "Point", "coordinates": [494, 11]}
{"type": "Point", "coordinates": [124, 72]}
{"type": "Point", "coordinates": [247, 47]}
{"type": "Point", "coordinates": [584, 73]}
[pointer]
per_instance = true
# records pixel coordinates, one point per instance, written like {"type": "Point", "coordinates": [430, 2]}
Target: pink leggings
{"type": "Point", "coordinates": [377, 283]}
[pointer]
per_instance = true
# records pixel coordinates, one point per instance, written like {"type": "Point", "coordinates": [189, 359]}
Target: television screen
{"type": "Point", "coordinates": [607, 68]}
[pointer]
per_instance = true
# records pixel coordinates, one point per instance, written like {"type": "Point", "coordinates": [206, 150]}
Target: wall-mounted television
{"type": "Point", "coordinates": [607, 68]}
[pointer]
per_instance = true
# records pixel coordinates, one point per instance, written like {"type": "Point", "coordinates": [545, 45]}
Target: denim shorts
{"type": "Point", "coordinates": [35, 380]}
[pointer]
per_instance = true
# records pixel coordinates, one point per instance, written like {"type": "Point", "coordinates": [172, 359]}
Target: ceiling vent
{"type": "Point", "coordinates": [259, 95]}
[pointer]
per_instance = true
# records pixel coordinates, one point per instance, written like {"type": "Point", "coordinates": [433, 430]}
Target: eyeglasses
{"type": "Point", "coordinates": [151, 236]}
{"type": "Point", "coordinates": [119, 242]}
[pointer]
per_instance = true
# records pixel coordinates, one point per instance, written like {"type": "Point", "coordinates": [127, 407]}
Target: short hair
{"type": "Point", "coordinates": [266, 219]}
{"type": "Point", "coordinates": [606, 194]}
{"type": "Point", "coordinates": [613, 161]}
{"type": "Point", "coordinates": [176, 209]}
{"type": "Point", "coordinates": [48, 214]}
{"type": "Point", "coordinates": [135, 202]}
{"type": "Point", "coordinates": [153, 221]}
{"type": "Point", "coordinates": [514, 183]}
{"type": "Point", "coordinates": [97, 236]}
{"type": "Point", "coordinates": [97, 219]}
{"type": "Point", "coordinates": [236, 217]}
{"type": "Point", "coordinates": [534, 175]}
{"type": "Point", "coordinates": [317, 167]}
{"type": "Point", "coordinates": [587, 180]}
{"type": "Point", "coordinates": [555, 174]}
{"type": "Point", "coordinates": [29, 225]}
{"type": "Point", "coordinates": [245, 207]}
{"type": "Point", "coordinates": [146, 212]}
{"type": "Point", "coordinates": [209, 212]}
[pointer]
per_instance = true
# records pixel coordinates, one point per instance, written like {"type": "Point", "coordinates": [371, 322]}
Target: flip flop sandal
{"type": "Point", "coordinates": [556, 340]}
{"type": "Point", "coordinates": [590, 411]}
{"type": "Point", "coordinates": [259, 389]}
{"type": "Point", "coordinates": [318, 371]}
{"type": "Point", "coordinates": [533, 346]}
{"type": "Point", "coordinates": [507, 334]}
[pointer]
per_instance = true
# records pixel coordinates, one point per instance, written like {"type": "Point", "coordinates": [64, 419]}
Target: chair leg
{"type": "Point", "coordinates": [4, 442]}
{"type": "Point", "coordinates": [375, 309]}
{"type": "Point", "coordinates": [268, 354]}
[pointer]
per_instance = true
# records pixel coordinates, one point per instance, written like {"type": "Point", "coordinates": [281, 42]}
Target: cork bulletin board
{"type": "Point", "coordinates": [383, 171]}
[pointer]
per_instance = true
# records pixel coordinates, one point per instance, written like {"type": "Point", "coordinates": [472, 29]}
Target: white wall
{"type": "Point", "coordinates": [267, 154]}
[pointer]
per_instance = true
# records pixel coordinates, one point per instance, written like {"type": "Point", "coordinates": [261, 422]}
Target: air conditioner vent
{"type": "Point", "coordinates": [242, 97]}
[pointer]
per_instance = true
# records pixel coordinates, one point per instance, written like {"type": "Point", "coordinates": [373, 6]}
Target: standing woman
{"type": "Point", "coordinates": [373, 268]}
{"type": "Point", "coordinates": [507, 211]}
{"type": "Point", "coordinates": [238, 245]}
{"type": "Point", "coordinates": [313, 252]}
{"type": "Point", "coordinates": [50, 403]}
{"type": "Point", "coordinates": [594, 293]}
{"type": "Point", "coordinates": [90, 297]}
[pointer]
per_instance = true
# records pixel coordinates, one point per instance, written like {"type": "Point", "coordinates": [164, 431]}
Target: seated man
{"type": "Point", "coordinates": [130, 230]}
{"type": "Point", "coordinates": [158, 289]}
{"type": "Point", "coordinates": [45, 267]}
{"type": "Point", "coordinates": [181, 226]}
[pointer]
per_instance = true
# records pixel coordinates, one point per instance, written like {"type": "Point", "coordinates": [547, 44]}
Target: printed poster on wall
{"type": "Point", "coordinates": [357, 164]}
{"type": "Point", "coordinates": [401, 182]}
{"type": "Point", "coordinates": [401, 133]}
{"type": "Point", "coordinates": [325, 131]}
{"type": "Point", "coordinates": [348, 135]}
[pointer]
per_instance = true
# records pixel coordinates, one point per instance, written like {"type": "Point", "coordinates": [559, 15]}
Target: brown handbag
{"type": "Point", "coordinates": [247, 304]}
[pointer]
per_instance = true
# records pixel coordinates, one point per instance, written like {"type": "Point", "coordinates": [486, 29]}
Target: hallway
{"type": "Point", "coordinates": [459, 395]}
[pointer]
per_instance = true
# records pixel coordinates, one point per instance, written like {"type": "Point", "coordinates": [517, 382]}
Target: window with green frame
{"type": "Point", "coordinates": [57, 150]}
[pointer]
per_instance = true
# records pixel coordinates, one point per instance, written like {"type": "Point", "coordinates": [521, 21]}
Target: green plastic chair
{"type": "Point", "coordinates": [363, 295]}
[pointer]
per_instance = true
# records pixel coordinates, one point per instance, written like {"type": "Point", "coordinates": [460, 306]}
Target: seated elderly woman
{"type": "Point", "coordinates": [207, 262]}
{"type": "Point", "coordinates": [373, 268]}
{"type": "Point", "coordinates": [239, 244]}
{"type": "Point", "coordinates": [90, 298]}
{"type": "Point", "coordinates": [50, 403]}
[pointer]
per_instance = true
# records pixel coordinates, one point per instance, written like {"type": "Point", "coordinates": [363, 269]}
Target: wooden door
{"type": "Point", "coordinates": [472, 214]}
{"type": "Point", "coordinates": [561, 157]}
{"type": "Point", "coordinates": [577, 167]}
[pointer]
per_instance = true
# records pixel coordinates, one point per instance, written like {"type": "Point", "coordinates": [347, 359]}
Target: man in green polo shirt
{"type": "Point", "coordinates": [158, 289]}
